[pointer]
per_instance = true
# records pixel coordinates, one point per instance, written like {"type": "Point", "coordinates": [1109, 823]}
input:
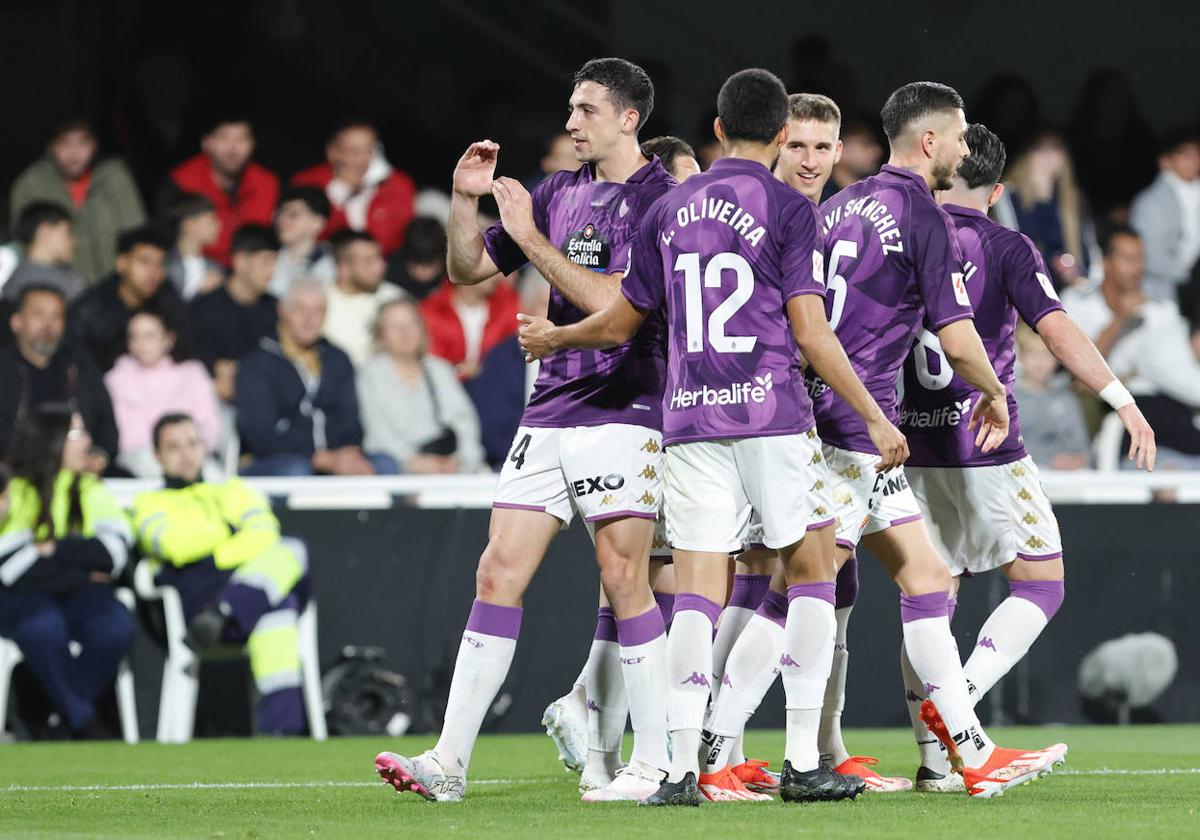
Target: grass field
{"type": "Point", "coordinates": [1134, 782]}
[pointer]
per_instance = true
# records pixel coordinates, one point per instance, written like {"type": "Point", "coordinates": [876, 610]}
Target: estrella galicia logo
{"type": "Point", "coordinates": [587, 247]}
{"type": "Point", "coordinates": [586, 486]}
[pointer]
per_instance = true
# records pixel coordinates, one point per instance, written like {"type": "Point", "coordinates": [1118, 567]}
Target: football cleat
{"type": "Point", "coordinates": [819, 785]}
{"type": "Point", "coordinates": [593, 779]}
{"type": "Point", "coordinates": [756, 777]}
{"type": "Point", "coordinates": [683, 792]}
{"type": "Point", "coordinates": [858, 765]}
{"type": "Point", "coordinates": [931, 781]}
{"type": "Point", "coordinates": [725, 786]}
{"type": "Point", "coordinates": [566, 723]}
{"type": "Point", "coordinates": [633, 783]}
{"type": "Point", "coordinates": [423, 775]}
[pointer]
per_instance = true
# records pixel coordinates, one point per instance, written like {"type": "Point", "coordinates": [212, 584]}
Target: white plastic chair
{"type": "Point", "coordinates": [1106, 448]}
{"type": "Point", "coordinates": [10, 658]}
{"type": "Point", "coordinates": [180, 685]}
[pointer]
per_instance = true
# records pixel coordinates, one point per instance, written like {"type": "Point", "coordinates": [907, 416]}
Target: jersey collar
{"type": "Point", "coordinates": [959, 210]}
{"type": "Point", "coordinates": [652, 169]}
{"type": "Point", "coordinates": [905, 173]}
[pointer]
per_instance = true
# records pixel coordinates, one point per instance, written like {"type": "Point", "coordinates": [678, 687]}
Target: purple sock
{"type": "Point", "coordinates": [691, 601]}
{"type": "Point", "coordinates": [774, 607]}
{"type": "Point", "coordinates": [930, 605]}
{"type": "Point", "coordinates": [640, 629]}
{"type": "Point", "coordinates": [1047, 594]}
{"type": "Point", "coordinates": [748, 591]}
{"type": "Point", "coordinates": [846, 585]}
{"type": "Point", "coordinates": [825, 591]}
{"type": "Point", "coordinates": [606, 625]}
{"type": "Point", "coordinates": [495, 620]}
{"type": "Point", "coordinates": [666, 605]}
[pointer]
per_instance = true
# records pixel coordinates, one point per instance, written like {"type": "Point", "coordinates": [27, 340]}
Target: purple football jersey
{"type": "Point", "coordinates": [1005, 277]}
{"type": "Point", "coordinates": [722, 254]}
{"type": "Point", "coordinates": [593, 224]}
{"type": "Point", "coordinates": [893, 264]}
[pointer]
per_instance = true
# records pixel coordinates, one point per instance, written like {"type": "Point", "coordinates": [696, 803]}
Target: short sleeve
{"type": "Point", "coordinates": [939, 267]}
{"type": "Point", "coordinates": [505, 253]}
{"type": "Point", "coordinates": [1027, 282]}
{"type": "Point", "coordinates": [802, 261]}
{"type": "Point", "coordinates": [643, 284]}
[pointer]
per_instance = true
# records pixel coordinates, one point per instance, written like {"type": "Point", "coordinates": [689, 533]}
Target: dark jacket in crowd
{"type": "Point", "coordinates": [222, 328]}
{"type": "Point", "coordinates": [279, 412]}
{"type": "Point", "coordinates": [498, 393]}
{"type": "Point", "coordinates": [97, 320]}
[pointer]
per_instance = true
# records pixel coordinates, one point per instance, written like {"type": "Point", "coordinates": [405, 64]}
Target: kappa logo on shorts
{"type": "Point", "coordinates": [810, 434]}
{"type": "Point", "coordinates": [844, 499]}
{"type": "Point", "coordinates": [1024, 495]}
{"type": "Point", "coordinates": [1029, 519]}
{"type": "Point", "coordinates": [1018, 471]}
{"type": "Point", "coordinates": [816, 459]}
{"type": "Point", "coordinates": [587, 486]}
{"type": "Point", "coordinates": [649, 473]}
{"type": "Point", "coordinates": [608, 499]}
{"type": "Point", "coordinates": [651, 446]}
{"type": "Point", "coordinates": [647, 498]}
{"type": "Point", "coordinates": [852, 472]}
{"type": "Point", "coordinates": [817, 485]}
{"type": "Point", "coordinates": [1035, 542]}
{"type": "Point", "coordinates": [820, 510]}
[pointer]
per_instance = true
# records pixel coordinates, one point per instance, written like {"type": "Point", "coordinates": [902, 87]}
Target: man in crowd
{"type": "Point", "coordinates": [419, 267]}
{"type": "Point", "coordinates": [242, 191]}
{"type": "Point", "coordinates": [302, 214]}
{"type": "Point", "coordinates": [1167, 215]}
{"type": "Point", "coordinates": [48, 249]}
{"type": "Point", "coordinates": [466, 322]}
{"type": "Point", "coordinates": [102, 196]}
{"type": "Point", "coordinates": [357, 294]}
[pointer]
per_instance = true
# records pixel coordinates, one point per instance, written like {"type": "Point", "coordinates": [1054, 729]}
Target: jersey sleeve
{"type": "Point", "coordinates": [619, 261]}
{"type": "Point", "coordinates": [939, 267]}
{"type": "Point", "coordinates": [643, 284]}
{"type": "Point", "coordinates": [505, 253]}
{"type": "Point", "coordinates": [802, 261]}
{"type": "Point", "coordinates": [1027, 282]}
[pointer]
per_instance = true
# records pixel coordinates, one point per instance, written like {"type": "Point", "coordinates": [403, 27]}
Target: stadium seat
{"type": "Point", "coordinates": [181, 683]}
{"type": "Point", "coordinates": [1106, 449]}
{"type": "Point", "coordinates": [10, 658]}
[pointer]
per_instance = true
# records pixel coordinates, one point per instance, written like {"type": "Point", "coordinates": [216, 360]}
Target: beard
{"type": "Point", "coordinates": [943, 175]}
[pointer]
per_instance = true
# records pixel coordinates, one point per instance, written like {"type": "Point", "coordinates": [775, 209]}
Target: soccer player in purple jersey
{"type": "Point", "coordinates": [988, 510]}
{"type": "Point", "coordinates": [589, 442]}
{"type": "Point", "coordinates": [893, 265]}
{"type": "Point", "coordinates": [732, 257]}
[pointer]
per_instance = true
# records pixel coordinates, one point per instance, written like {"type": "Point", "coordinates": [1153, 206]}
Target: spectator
{"type": "Point", "coordinates": [219, 546]}
{"type": "Point", "coordinates": [39, 368]}
{"type": "Point", "coordinates": [1008, 105]}
{"type": "Point", "coordinates": [98, 318]}
{"type": "Point", "coordinates": [102, 196]}
{"type": "Point", "coordinates": [48, 247]}
{"type": "Point", "coordinates": [366, 193]}
{"type": "Point", "coordinates": [146, 383]}
{"type": "Point", "coordinates": [413, 407]}
{"type": "Point", "coordinates": [676, 155]}
{"type": "Point", "coordinates": [465, 322]}
{"type": "Point", "coordinates": [228, 322]}
{"type": "Point", "coordinates": [1042, 201]}
{"type": "Point", "coordinates": [558, 154]}
{"type": "Point", "coordinates": [1148, 345]}
{"type": "Point", "coordinates": [419, 266]}
{"type": "Point", "coordinates": [297, 410]}
{"type": "Point", "coordinates": [302, 214]}
{"type": "Point", "coordinates": [242, 192]}
{"type": "Point", "coordinates": [1051, 419]}
{"type": "Point", "coordinates": [357, 294]}
{"type": "Point", "coordinates": [1167, 215]}
{"type": "Point", "coordinates": [195, 226]}
{"type": "Point", "coordinates": [64, 540]}
{"type": "Point", "coordinates": [862, 153]}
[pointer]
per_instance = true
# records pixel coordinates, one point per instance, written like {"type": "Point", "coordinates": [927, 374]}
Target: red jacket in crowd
{"type": "Point", "coordinates": [388, 215]}
{"type": "Point", "coordinates": [446, 337]}
{"type": "Point", "coordinates": [253, 202]}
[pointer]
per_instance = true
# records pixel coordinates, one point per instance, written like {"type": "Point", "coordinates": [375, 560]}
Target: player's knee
{"type": "Point", "coordinates": [619, 573]}
{"type": "Point", "coordinates": [490, 573]}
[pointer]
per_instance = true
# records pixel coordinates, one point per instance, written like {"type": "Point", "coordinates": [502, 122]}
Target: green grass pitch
{"type": "Point", "coordinates": [1133, 782]}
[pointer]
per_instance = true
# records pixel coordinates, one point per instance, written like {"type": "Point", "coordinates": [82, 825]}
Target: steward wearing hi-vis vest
{"type": "Point", "coordinates": [219, 545]}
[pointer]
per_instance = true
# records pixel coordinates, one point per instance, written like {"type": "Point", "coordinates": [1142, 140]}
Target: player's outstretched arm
{"type": "Point", "coordinates": [589, 290]}
{"type": "Point", "coordinates": [964, 350]}
{"type": "Point", "coordinates": [467, 262]}
{"type": "Point", "coordinates": [613, 325]}
{"type": "Point", "coordinates": [1079, 355]}
{"type": "Point", "coordinates": [825, 354]}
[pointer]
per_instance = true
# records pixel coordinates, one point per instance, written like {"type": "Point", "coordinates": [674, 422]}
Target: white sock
{"type": "Point", "coordinates": [929, 644]}
{"type": "Point", "coordinates": [829, 738]}
{"type": "Point", "coordinates": [805, 664]}
{"type": "Point", "coordinates": [643, 655]}
{"type": "Point", "coordinates": [607, 707]}
{"type": "Point", "coordinates": [1010, 631]}
{"type": "Point", "coordinates": [747, 595]}
{"type": "Point", "coordinates": [751, 672]}
{"type": "Point", "coordinates": [484, 656]}
{"type": "Point", "coordinates": [689, 663]}
{"type": "Point", "coordinates": [933, 754]}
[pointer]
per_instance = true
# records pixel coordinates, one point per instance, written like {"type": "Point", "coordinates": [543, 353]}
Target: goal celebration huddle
{"type": "Point", "coordinates": [732, 368]}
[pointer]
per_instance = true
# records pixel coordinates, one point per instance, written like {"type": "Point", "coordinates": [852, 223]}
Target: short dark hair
{"type": "Point", "coordinates": [752, 105]}
{"type": "Point", "coordinates": [72, 124]}
{"type": "Point", "coordinates": [187, 206]}
{"type": "Point", "coordinates": [173, 419]}
{"type": "Point", "coordinates": [986, 163]}
{"type": "Point", "coordinates": [814, 106]}
{"type": "Point", "coordinates": [228, 118]}
{"type": "Point", "coordinates": [628, 85]}
{"type": "Point", "coordinates": [343, 239]}
{"type": "Point", "coordinates": [669, 149]}
{"type": "Point", "coordinates": [37, 288]}
{"type": "Point", "coordinates": [347, 123]}
{"type": "Point", "coordinates": [913, 101]}
{"type": "Point", "coordinates": [1110, 233]}
{"type": "Point", "coordinates": [145, 235]}
{"type": "Point", "coordinates": [313, 198]}
{"type": "Point", "coordinates": [1176, 136]}
{"type": "Point", "coordinates": [424, 241]}
{"type": "Point", "coordinates": [155, 309]}
{"type": "Point", "coordinates": [251, 239]}
{"type": "Point", "coordinates": [38, 213]}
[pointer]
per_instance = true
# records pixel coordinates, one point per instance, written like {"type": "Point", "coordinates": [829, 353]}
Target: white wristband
{"type": "Point", "coordinates": [1116, 395]}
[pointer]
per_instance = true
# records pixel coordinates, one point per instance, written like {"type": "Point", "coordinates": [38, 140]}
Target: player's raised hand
{"type": "Point", "coordinates": [1141, 436]}
{"type": "Point", "coordinates": [991, 417]}
{"type": "Point", "coordinates": [516, 208]}
{"type": "Point", "coordinates": [534, 336]}
{"type": "Point", "coordinates": [891, 443]}
{"type": "Point", "coordinates": [473, 174]}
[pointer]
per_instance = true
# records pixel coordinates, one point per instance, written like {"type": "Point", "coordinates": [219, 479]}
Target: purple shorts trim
{"type": "Point", "coordinates": [824, 591]}
{"type": "Point", "coordinates": [640, 629]}
{"type": "Point", "coordinates": [1046, 594]}
{"type": "Point", "coordinates": [844, 543]}
{"type": "Point", "coordinates": [904, 520]}
{"type": "Point", "coordinates": [1036, 557]}
{"type": "Point", "coordinates": [685, 601]}
{"type": "Point", "coordinates": [494, 620]}
{"type": "Point", "coordinates": [748, 591]}
{"type": "Point", "coordinates": [515, 506]}
{"type": "Point", "coordinates": [929, 605]}
{"type": "Point", "coordinates": [774, 607]}
{"type": "Point", "coordinates": [846, 584]}
{"type": "Point", "coordinates": [606, 625]}
{"type": "Point", "coordinates": [753, 547]}
{"type": "Point", "coordinates": [620, 514]}
{"type": "Point", "coordinates": [816, 526]}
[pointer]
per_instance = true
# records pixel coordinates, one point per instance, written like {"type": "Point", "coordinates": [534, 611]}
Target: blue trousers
{"type": "Point", "coordinates": [42, 625]}
{"type": "Point", "coordinates": [289, 465]}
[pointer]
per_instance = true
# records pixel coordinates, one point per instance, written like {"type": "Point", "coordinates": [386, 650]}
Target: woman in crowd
{"type": "Point", "coordinates": [413, 406]}
{"type": "Point", "coordinates": [63, 541]}
{"type": "Point", "coordinates": [147, 383]}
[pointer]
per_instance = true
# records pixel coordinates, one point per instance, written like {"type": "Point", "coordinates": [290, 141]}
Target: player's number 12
{"type": "Point", "coordinates": [693, 301]}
